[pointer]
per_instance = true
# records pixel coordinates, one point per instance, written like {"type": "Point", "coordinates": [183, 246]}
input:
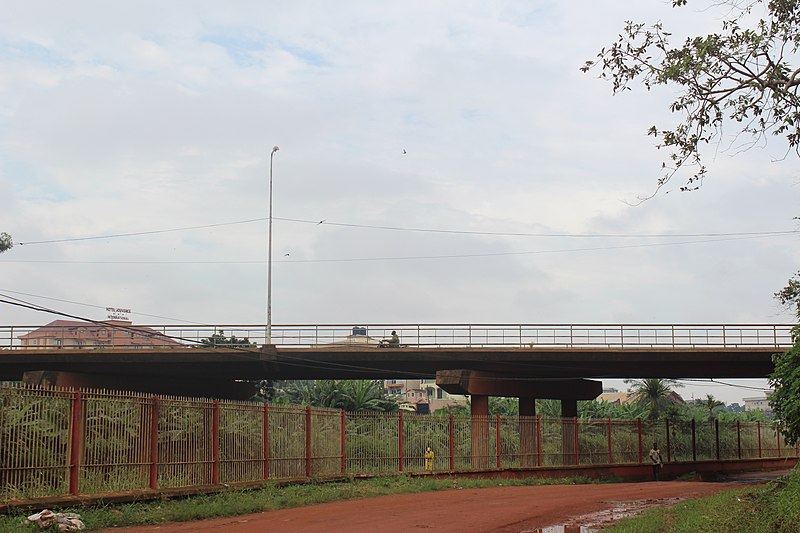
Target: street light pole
{"type": "Point", "coordinates": [269, 253]}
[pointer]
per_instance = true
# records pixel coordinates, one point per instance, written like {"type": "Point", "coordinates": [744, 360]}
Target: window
{"type": "Point", "coordinates": [439, 393]}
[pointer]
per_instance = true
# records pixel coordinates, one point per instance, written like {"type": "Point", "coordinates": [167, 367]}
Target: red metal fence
{"type": "Point", "coordinates": [69, 442]}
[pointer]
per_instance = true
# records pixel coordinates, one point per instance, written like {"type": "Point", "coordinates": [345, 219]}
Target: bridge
{"type": "Point", "coordinates": [520, 360]}
{"type": "Point", "coordinates": [526, 361]}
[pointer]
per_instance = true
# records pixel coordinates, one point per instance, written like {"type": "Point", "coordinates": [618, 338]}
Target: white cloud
{"type": "Point", "coordinates": [137, 117]}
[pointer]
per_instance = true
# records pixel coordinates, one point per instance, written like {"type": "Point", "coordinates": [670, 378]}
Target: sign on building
{"type": "Point", "coordinates": [117, 313]}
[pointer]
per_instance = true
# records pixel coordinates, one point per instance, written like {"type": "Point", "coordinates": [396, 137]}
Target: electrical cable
{"type": "Point", "coordinates": [417, 230]}
{"type": "Point", "coordinates": [103, 307]}
{"type": "Point", "coordinates": [404, 258]}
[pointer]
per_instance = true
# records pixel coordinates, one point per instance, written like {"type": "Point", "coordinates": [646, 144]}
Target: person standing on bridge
{"type": "Point", "coordinates": [655, 458]}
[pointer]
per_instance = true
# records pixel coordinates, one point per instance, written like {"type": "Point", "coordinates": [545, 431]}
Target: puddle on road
{"type": "Point", "coordinates": [594, 522]}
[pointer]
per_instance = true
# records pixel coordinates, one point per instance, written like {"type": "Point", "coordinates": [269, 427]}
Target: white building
{"type": "Point", "coordinates": [758, 403]}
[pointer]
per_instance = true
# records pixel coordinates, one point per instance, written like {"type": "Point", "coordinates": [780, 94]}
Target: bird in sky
{"type": "Point", "coordinates": [404, 151]}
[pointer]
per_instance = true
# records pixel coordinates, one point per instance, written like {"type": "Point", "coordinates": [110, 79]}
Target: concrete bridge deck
{"type": "Point", "coordinates": [332, 351]}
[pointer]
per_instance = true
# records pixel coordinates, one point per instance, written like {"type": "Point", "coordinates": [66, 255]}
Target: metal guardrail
{"type": "Point", "coordinates": [679, 336]}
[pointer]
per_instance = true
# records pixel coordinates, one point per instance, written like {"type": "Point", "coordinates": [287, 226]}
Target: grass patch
{"type": "Point", "coordinates": [271, 497]}
{"type": "Point", "coordinates": [767, 508]}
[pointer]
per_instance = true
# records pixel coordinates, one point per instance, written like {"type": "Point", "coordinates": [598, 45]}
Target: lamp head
{"type": "Point", "coordinates": [275, 149]}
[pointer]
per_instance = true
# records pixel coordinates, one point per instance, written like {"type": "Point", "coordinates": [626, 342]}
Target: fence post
{"type": "Point", "coordinates": [577, 452]}
{"type": "Point", "coordinates": [610, 449]}
{"type": "Point", "coordinates": [694, 442]}
{"type": "Point", "coordinates": [738, 439]}
{"type": "Point", "coordinates": [75, 443]}
{"type": "Point", "coordinates": [639, 429]}
{"type": "Point", "coordinates": [538, 440]}
{"type": "Point", "coordinates": [308, 441]}
{"type": "Point", "coordinates": [497, 443]}
{"type": "Point", "coordinates": [451, 432]}
{"type": "Point", "coordinates": [666, 424]}
{"type": "Point", "coordinates": [215, 442]}
{"type": "Point", "coordinates": [154, 443]}
{"type": "Point", "coordinates": [758, 425]}
{"type": "Point", "coordinates": [265, 438]}
{"type": "Point", "coordinates": [716, 435]}
{"type": "Point", "coordinates": [344, 442]}
{"type": "Point", "coordinates": [400, 441]}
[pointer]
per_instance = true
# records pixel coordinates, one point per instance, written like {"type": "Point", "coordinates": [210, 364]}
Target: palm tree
{"type": "Point", "coordinates": [348, 395]}
{"type": "Point", "coordinates": [653, 393]}
{"type": "Point", "coordinates": [365, 395]}
{"type": "Point", "coordinates": [710, 403]}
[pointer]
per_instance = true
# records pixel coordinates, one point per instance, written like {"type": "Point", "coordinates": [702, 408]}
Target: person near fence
{"type": "Point", "coordinates": [429, 456]}
{"type": "Point", "coordinates": [655, 458]}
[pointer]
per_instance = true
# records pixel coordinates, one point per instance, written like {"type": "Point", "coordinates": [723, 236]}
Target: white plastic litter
{"type": "Point", "coordinates": [63, 521]}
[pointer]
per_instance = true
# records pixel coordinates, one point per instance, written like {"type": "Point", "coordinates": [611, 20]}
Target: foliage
{"type": "Point", "coordinates": [348, 395]}
{"type": "Point", "coordinates": [785, 401]}
{"type": "Point", "coordinates": [653, 394]}
{"type": "Point", "coordinates": [5, 242]}
{"type": "Point", "coordinates": [711, 405]}
{"type": "Point", "coordinates": [785, 379]}
{"type": "Point", "coordinates": [766, 508]}
{"type": "Point", "coordinates": [219, 339]}
{"type": "Point", "coordinates": [790, 296]}
{"type": "Point", "coordinates": [741, 76]}
{"type": "Point", "coordinates": [503, 406]}
{"type": "Point", "coordinates": [616, 411]}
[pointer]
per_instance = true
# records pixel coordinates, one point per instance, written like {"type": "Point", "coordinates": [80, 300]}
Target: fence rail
{"type": "Point", "coordinates": [88, 336]}
{"type": "Point", "coordinates": [69, 442]}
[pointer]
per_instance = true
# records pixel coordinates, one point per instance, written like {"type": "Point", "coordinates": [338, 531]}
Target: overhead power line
{"type": "Point", "coordinates": [179, 320]}
{"type": "Point", "coordinates": [402, 258]}
{"type": "Point", "coordinates": [420, 230]}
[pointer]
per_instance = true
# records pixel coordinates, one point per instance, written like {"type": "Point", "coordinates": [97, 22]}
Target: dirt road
{"type": "Point", "coordinates": [500, 509]}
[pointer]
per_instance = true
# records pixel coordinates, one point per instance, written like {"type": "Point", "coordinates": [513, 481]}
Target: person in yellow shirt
{"type": "Point", "coordinates": [429, 456]}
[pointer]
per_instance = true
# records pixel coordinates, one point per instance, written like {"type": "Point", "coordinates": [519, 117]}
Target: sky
{"type": "Point", "coordinates": [469, 118]}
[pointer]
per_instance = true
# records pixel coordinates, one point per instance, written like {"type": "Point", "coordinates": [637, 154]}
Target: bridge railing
{"type": "Point", "coordinates": [104, 335]}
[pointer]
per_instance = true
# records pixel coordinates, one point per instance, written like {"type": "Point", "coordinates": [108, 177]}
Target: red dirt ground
{"type": "Point", "coordinates": [499, 509]}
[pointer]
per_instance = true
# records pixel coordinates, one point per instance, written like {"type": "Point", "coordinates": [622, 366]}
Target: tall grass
{"type": "Point", "coordinates": [774, 507]}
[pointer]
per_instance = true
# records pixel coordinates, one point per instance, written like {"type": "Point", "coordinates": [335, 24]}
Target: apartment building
{"type": "Point", "coordinates": [78, 334]}
{"type": "Point", "coordinates": [423, 394]}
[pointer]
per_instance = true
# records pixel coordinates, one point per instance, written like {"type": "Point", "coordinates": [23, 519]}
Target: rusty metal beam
{"type": "Point", "coordinates": [465, 381]}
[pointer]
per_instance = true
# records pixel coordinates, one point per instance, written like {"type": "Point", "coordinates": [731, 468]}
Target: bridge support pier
{"type": "Point", "coordinates": [479, 407]}
{"type": "Point", "coordinates": [527, 431]}
{"type": "Point", "coordinates": [569, 431]}
{"type": "Point", "coordinates": [190, 386]}
{"type": "Point", "coordinates": [480, 385]}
